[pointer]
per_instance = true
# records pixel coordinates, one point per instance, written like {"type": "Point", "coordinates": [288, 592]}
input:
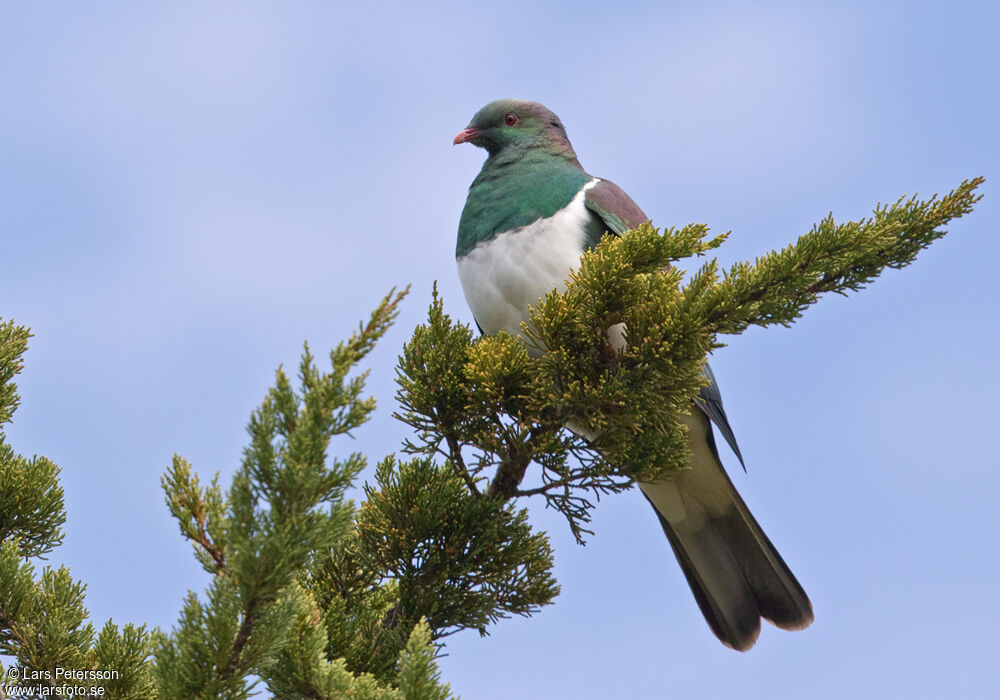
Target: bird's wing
{"type": "Point", "coordinates": [615, 208]}
{"type": "Point", "coordinates": [709, 400]}
{"type": "Point", "coordinates": [619, 213]}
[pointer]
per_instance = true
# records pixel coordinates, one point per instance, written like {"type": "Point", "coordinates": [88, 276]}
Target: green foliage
{"type": "Point", "coordinates": [43, 621]}
{"type": "Point", "coordinates": [831, 258]}
{"type": "Point", "coordinates": [461, 560]}
{"type": "Point", "coordinates": [31, 501]}
{"type": "Point", "coordinates": [13, 343]}
{"type": "Point", "coordinates": [418, 675]}
{"type": "Point", "coordinates": [126, 651]}
{"type": "Point", "coordinates": [491, 406]}
{"type": "Point", "coordinates": [293, 601]}
{"type": "Point", "coordinates": [353, 598]}
{"type": "Point", "coordinates": [302, 668]}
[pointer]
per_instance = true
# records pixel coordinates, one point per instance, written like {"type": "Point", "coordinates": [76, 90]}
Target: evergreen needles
{"type": "Point", "coordinates": [293, 602]}
{"type": "Point", "coordinates": [43, 620]}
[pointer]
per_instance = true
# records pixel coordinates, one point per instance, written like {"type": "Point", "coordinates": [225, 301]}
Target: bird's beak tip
{"type": "Point", "coordinates": [465, 135]}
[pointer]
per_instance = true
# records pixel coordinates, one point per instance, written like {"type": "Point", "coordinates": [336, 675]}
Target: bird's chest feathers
{"type": "Point", "coordinates": [511, 195]}
{"type": "Point", "coordinates": [503, 276]}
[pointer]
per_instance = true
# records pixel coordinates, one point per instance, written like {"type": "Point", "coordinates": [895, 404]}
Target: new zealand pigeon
{"type": "Point", "coordinates": [531, 213]}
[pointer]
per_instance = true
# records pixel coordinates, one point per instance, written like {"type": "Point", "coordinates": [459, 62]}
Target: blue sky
{"type": "Point", "coordinates": [189, 191]}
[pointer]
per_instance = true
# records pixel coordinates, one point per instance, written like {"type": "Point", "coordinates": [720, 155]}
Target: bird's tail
{"type": "Point", "coordinates": [735, 573]}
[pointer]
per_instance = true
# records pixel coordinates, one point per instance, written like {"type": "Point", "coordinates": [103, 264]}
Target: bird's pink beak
{"type": "Point", "coordinates": [466, 135]}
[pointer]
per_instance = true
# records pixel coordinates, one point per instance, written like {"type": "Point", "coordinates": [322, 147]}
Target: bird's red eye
{"type": "Point", "coordinates": [510, 119]}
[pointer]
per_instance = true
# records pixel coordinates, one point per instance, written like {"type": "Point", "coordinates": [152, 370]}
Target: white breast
{"type": "Point", "coordinates": [502, 277]}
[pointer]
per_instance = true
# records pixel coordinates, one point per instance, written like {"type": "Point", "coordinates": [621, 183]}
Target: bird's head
{"type": "Point", "coordinates": [508, 125]}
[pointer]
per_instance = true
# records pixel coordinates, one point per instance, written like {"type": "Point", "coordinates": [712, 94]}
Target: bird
{"type": "Point", "coordinates": [530, 214]}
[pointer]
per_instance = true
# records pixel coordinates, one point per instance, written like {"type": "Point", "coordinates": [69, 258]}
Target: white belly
{"type": "Point", "coordinates": [502, 277]}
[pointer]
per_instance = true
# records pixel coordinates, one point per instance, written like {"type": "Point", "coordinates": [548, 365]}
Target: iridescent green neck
{"type": "Point", "coordinates": [515, 189]}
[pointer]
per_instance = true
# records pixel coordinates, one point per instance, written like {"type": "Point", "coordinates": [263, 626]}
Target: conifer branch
{"type": "Point", "coordinates": [43, 621]}
{"type": "Point", "coordinates": [234, 666]}
{"type": "Point", "coordinates": [832, 258]}
{"type": "Point", "coordinates": [491, 398]}
{"type": "Point", "coordinates": [455, 458]}
{"type": "Point", "coordinates": [285, 509]}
